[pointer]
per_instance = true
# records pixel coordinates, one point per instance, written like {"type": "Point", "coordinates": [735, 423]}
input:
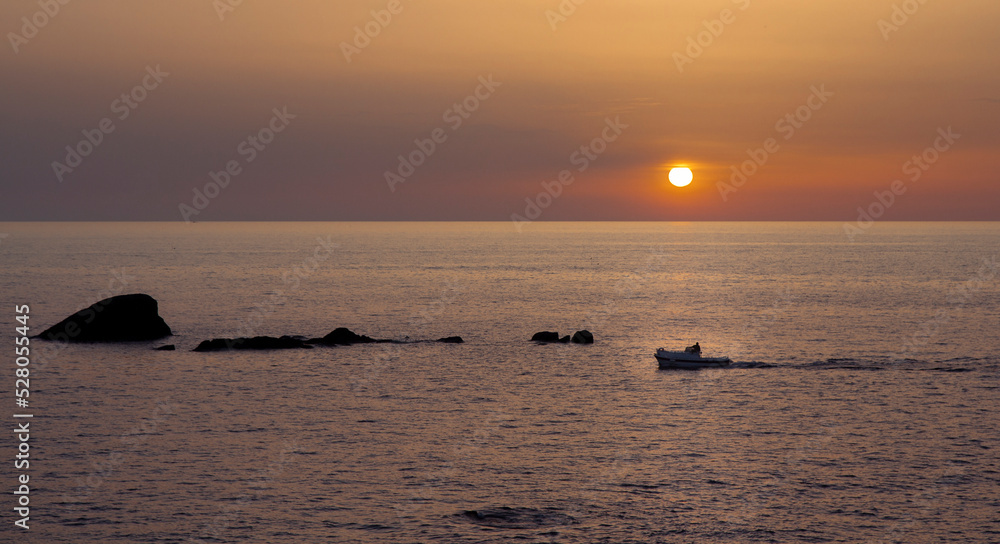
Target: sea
{"type": "Point", "coordinates": [863, 403]}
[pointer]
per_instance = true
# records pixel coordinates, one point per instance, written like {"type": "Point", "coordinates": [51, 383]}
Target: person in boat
{"type": "Point", "coordinates": [693, 349]}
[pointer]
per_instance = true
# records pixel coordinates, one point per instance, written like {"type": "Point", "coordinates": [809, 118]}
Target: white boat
{"type": "Point", "coordinates": [686, 359]}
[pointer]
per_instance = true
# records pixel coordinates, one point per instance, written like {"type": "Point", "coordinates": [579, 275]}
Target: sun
{"type": "Point", "coordinates": [680, 177]}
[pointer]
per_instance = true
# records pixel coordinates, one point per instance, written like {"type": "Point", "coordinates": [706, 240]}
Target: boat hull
{"type": "Point", "coordinates": [689, 360]}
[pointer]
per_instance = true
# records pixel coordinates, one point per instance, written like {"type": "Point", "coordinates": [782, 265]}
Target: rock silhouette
{"type": "Point", "coordinates": [339, 337]}
{"type": "Point", "coordinates": [579, 337]}
{"type": "Point", "coordinates": [545, 336]}
{"type": "Point", "coordinates": [257, 343]}
{"type": "Point", "coordinates": [344, 337]}
{"type": "Point", "coordinates": [135, 317]}
{"type": "Point", "coordinates": [123, 318]}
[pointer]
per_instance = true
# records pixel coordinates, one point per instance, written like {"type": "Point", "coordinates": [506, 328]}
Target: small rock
{"type": "Point", "coordinates": [545, 336]}
{"type": "Point", "coordinates": [256, 343]}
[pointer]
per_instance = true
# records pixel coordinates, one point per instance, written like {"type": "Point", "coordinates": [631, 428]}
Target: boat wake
{"type": "Point", "coordinates": [958, 364]}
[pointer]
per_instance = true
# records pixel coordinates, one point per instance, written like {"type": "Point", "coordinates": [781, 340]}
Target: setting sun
{"type": "Point", "coordinates": [680, 177]}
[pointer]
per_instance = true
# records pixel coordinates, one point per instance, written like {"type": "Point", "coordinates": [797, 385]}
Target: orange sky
{"type": "Point", "coordinates": [561, 80]}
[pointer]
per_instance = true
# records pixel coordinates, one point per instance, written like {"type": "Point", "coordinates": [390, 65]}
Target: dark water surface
{"type": "Point", "coordinates": [864, 405]}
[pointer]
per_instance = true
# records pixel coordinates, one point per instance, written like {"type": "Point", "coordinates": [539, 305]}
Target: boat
{"type": "Point", "coordinates": [687, 359]}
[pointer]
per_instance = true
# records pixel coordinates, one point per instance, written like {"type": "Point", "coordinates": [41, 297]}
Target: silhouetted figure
{"type": "Point", "coordinates": [693, 349]}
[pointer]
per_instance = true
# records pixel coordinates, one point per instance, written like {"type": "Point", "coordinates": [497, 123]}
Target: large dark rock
{"type": "Point", "coordinates": [256, 343]}
{"type": "Point", "coordinates": [545, 336]}
{"type": "Point", "coordinates": [344, 337]}
{"type": "Point", "coordinates": [451, 340]}
{"type": "Point", "coordinates": [124, 318]}
{"type": "Point", "coordinates": [583, 337]}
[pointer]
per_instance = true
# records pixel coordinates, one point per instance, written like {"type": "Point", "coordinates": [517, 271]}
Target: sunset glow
{"type": "Point", "coordinates": [461, 110]}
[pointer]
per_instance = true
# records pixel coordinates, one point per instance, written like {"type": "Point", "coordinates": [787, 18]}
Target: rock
{"type": "Point", "coordinates": [124, 318]}
{"type": "Point", "coordinates": [168, 347]}
{"type": "Point", "coordinates": [579, 337]}
{"type": "Point", "coordinates": [218, 344]}
{"type": "Point", "coordinates": [256, 343]}
{"type": "Point", "coordinates": [545, 336]}
{"type": "Point", "coordinates": [344, 337]}
{"type": "Point", "coordinates": [339, 337]}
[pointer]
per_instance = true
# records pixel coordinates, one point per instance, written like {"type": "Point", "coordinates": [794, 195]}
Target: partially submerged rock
{"type": "Point", "coordinates": [545, 336]}
{"type": "Point", "coordinates": [579, 337]}
{"type": "Point", "coordinates": [339, 337]}
{"type": "Point", "coordinates": [123, 318]}
{"type": "Point", "coordinates": [257, 343]}
{"type": "Point", "coordinates": [344, 337]}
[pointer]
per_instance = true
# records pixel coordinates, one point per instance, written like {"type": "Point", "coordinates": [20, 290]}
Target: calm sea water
{"type": "Point", "coordinates": [864, 405]}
